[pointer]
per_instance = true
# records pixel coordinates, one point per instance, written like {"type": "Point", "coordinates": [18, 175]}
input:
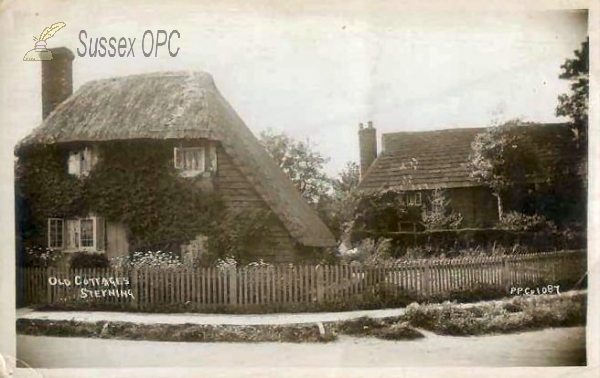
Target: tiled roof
{"type": "Point", "coordinates": [438, 159]}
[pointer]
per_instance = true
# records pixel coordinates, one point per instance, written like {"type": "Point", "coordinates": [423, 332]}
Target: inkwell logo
{"type": "Point", "coordinates": [41, 52]}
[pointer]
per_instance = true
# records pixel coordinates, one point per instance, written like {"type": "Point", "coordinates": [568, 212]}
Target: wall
{"type": "Point", "coordinates": [240, 194]}
{"type": "Point", "coordinates": [477, 205]}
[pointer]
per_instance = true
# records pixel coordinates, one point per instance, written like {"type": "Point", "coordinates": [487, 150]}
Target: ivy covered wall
{"type": "Point", "coordinates": [133, 183]}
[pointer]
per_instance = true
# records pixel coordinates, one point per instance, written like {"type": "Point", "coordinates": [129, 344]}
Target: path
{"type": "Point", "coordinates": [549, 347]}
{"type": "Point", "coordinates": [195, 318]}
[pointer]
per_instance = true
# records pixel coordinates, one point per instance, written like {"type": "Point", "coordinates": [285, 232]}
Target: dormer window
{"type": "Point", "coordinates": [81, 162]}
{"type": "Point", "coordinates": [193, 161]}
{"type": "Point", "coordinates": [190, 160]}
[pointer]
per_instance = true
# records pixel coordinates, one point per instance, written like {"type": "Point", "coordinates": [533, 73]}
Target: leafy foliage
{"type": "Point", "coordinates": [575, 104]}
{"type": "Point", "coordinates": [44, 189]}
{"type": "Point", "coordinates": [243, 232]}
{"type": "Point", "coordinates": [381, 211]}
{"type": "Point", "coordinates": [40, 257]}
{"type": "Point", "coordinates": [86, 260]}
{"type": "Point", "coordinates": [148, 259]}
{"type": "Point", "coordinates": [501, 159]}
{"type": "Point", "coordinates": [300, 162]}
{"type": "Point", "coordinates": [138, 186]}
{"type": "Point", "coordinates": [133, 183]}
{"type": "Point", "coordinates": [522, 222]}
{"type": "Point", "coordinates": [438, 216]}
{"type": "Point", "coordinates": [337, 208]}
{"type": "Point", "coordinates": [334, 199]}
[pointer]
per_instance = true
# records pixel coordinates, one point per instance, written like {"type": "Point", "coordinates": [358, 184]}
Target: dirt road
{"type": "Point", "coordinates": [551, 347]}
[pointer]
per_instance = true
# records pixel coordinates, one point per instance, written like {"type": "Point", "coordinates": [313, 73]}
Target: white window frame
{"type": "Point", "coordinates": [85, 162]}
{"type": "Point", "coordinates": [62, 233]}
{"type": "Point", "coordinates": [414, 199]}
{"type": "Point", "coordinates": [80, 247]}
{"type": "Point", "coordinates": [180, 163]}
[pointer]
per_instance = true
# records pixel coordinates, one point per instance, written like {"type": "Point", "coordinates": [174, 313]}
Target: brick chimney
{"type": "Point", "coordinates": [367, 142]}
{"type": "Point", "coordinates": [57, 79]}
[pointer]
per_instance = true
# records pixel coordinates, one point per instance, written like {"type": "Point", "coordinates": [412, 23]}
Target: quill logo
{"type": "Point", "coordinates": [40, 52]}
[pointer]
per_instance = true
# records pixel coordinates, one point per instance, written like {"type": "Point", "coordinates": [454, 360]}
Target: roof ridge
{"type": "Point", "coordinates": [142, 75]}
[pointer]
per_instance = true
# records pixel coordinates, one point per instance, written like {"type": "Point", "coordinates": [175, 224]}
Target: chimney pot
{"type": "Point", "coordinates": [57, 79]}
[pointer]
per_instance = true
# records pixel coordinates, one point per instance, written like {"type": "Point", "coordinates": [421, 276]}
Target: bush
{"type": "Point", "coordinates": [148, 259]}
{"type": "Point", "coordinates": [399, 331]}
{"type": "Point", "coordinates": [39, 257]}
{"type": "Point", "coordinates": [385, 329]}
{"type": "Point", "coordinates": [432, 243]}
{"type": "Point", "coordinates": [507, 316]}
{"type": "Point", "coordinates": [438, 215]}
{"type": "Point", "coordinates": [296, 333]}
{"type": "Point", "coordinates": [522, 222]}
{"type": "Point", "coordinates": [87, 260]}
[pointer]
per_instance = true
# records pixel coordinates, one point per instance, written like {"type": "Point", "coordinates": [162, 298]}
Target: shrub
{"type": "Point", "coordinates": [87, 260]}
{"type": "Point", "coordinates": [361, 326]}
{"type": "Point", "coordinates": [511, 315]}
{"type": "Point", "coordinates": [39, 257]}
{"type": "Point", "coordinates": [438, 215]}
{"type": "Point", "coordinates": [522, 222]}
{"type": "Point", "coordinates": [148, 259]}
{"type": "Point", "coordinates": [399, 331]}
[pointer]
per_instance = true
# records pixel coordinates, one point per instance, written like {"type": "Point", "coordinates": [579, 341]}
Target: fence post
{"type": "Point", "coordinates": [48, 286]}
{"type": "Point", "coordinates": [505, 273]}
{"type": "Point", "coordinates": [320, 284]}
{"type": "Point", "coordinates": [233, 286]}
{"type": "Point", "coordinates": [426, 280]}
{"type": "Point", "coordinates": [134, 284]}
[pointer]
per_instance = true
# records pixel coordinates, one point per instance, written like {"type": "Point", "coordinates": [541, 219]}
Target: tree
{"type": "Point", "coordinates": [502, 161]}
{"type": "Point", "coordinates": [348, 179]}
{"type": "Point", "coordinates": [574, 105]}
{"type": "Point", "coordinates": [438, 215]}
{"type": "Point", "coordinates": [338, 208]}
{"type": "Point", "coordinates": [301, 163]}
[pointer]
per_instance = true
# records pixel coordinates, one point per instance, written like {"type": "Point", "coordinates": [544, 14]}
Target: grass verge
{"type": "Point", "coordinates": [496, 317]}
{"type": "Point", "coordinates": [297, 333]}
{"type": "Point", "coordinates": [386, 329]}
{"type": "Point", "coordinates": [507, 316]}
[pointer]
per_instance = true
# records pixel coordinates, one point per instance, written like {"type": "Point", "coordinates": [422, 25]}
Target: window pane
{"type": "Point", "coordinates": [196, 164]}
{"type": "Point", "coordinates": [87, 232]}
{"type": "Point", "coordinates": [74, 165]}
{"type": "Point", "coordinates": [178, 158]}
{"type": "Point", "coordinates": [55, 232]}
{"type": "Point", "coordinates": [188, 160]}
{"type": "Point", "coordinates": [73, 234]}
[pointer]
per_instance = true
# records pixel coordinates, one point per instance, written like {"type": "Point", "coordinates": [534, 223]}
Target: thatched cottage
{"type": "Point", "coordinates": [418, 162]}
{"type": "Point", "coordinates": [208, 140]}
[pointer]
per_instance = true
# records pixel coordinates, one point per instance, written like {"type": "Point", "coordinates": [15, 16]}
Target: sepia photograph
{"type": "Point", "coordinates": [322, 186]}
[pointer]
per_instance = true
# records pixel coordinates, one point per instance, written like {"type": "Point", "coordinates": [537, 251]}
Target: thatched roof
{"type": "Point", "coordinates": [180, 105]}
{"type": "Point", "coordinates": [425, 160]}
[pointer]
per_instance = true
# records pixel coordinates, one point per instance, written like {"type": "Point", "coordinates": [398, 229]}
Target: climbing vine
{"type": "Point", "coordinates": [133, 183]}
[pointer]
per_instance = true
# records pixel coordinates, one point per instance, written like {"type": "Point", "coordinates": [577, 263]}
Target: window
{"type": "Point", "coordinates": [414, 199]}
{"type": "Point", "coordinates": [81, 162]}
{"type": "Point", "coordinates": [55, 233]}
{"type": "Point", "coordinates": [82, 234]}
{"type": "Point", "coordinates": [87, 232]}
{"type": "Point", "coordinates": [189, 159]}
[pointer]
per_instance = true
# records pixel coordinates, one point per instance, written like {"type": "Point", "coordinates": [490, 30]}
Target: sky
{"type": "Point", "coordinates": [314, 71]}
